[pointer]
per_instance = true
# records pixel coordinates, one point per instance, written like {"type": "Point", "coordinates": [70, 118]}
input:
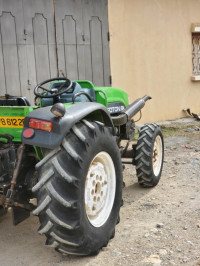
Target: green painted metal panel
{"type": "Point", "coordinates": [108, 95]}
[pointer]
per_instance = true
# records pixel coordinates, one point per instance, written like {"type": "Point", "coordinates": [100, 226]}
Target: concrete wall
{"type": "Point", "coordinates": [150, 52]}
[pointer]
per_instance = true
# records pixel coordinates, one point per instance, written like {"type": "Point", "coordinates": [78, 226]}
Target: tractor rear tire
{"type": "Point", "coordinates": [79, 191]}
{"type": "Point", "coordinates": [149, 155]}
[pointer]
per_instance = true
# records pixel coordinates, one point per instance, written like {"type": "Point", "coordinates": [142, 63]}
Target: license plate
{"type": "Point", "coordinates": [6, 121]}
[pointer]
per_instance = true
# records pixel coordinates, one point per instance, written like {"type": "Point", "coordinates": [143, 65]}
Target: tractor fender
{"type": "Point", "coordinates": [61, 126]}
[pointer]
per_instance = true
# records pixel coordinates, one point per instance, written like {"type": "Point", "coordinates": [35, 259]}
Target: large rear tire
{"type": "Point", "coordinates": [149, 155]}
{"type": "Point", "coordinates": [80, 190]}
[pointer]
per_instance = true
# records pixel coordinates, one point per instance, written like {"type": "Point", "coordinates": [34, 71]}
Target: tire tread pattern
{"type": "Point", "coordinates": [143, 158]}
{"type": "Point", "coordinates": [51, 198]}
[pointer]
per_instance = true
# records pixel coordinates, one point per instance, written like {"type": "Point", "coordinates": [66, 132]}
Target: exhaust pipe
{"type": "Point", "coordinates": [130, 111]}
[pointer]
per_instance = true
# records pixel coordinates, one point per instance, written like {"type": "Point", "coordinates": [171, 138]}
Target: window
{"type": "Point", "coordinates": [196, 52]}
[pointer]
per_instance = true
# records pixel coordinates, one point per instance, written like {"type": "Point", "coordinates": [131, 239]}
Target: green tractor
{"type": "Point", "coordinates": [67, 153]}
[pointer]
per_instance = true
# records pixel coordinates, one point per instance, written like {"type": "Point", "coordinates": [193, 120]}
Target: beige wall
{"type": "Point", "coordinates": [150, 52]}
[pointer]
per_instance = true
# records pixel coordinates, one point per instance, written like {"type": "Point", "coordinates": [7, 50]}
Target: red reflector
{"type": "Point", "coordinates": [28, 133]}
{"type": "Point", "coordinates": [40, 124]}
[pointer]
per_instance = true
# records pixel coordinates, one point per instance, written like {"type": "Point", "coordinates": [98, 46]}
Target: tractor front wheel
{"type": "Point", "coordinates": [80, 190]}
{"type": "Point", "coordinates": [149, 155]}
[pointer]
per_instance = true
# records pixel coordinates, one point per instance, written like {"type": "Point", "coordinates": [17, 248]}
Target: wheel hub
{"type": "Point", "coordinates": [157, 155]}
{"type": "Point", "coordinates": [100, 189]}
{"type": "Point", "coordinates": [96, 189]}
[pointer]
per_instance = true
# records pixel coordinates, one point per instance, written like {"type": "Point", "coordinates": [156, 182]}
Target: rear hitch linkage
{"type": "Point", "coordinates": [8, 199]}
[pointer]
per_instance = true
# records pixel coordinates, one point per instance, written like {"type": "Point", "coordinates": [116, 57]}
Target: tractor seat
{"type": "Point", "coordinates": [9, 100]}
{"type": "Point", "coordinates": [67, 97]}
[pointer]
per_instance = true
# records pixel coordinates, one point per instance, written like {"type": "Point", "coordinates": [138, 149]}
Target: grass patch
{"type": "Point", "coordinates": [169, 131]}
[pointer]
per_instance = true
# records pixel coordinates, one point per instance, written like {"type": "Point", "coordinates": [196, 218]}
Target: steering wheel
{"type": "Point", "coordinates": [55, 91]}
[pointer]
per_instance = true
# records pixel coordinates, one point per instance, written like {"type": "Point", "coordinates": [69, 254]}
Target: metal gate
{"type": "Point", "coordinates": [43, 39]}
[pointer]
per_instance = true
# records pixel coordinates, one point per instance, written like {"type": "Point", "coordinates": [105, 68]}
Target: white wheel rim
{"type": "Point", "coordinates": [100, 187]}
{"type": "Point", "coordinates": [157, 155]}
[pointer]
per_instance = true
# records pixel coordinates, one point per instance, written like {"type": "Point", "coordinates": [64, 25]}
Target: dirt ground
{"type": "Point", "coordinates": [159, 226]}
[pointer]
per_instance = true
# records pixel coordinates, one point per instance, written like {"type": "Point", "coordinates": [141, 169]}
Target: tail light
{"type": "Point", "coordinates": [40, 124]}
{"type": "Point", "coordinates": [28, 133]}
